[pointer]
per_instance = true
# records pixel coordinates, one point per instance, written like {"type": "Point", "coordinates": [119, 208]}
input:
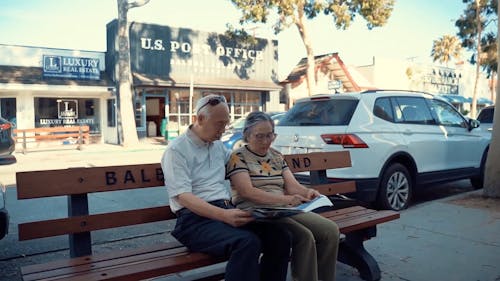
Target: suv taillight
{"type": "Point", "coordinates": [346, 140]}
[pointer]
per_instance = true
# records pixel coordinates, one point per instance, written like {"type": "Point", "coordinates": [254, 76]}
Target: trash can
{"type": "Point", "coordinates": [151, 129]}
{"type": "Point", "coordinates": [163, 128]}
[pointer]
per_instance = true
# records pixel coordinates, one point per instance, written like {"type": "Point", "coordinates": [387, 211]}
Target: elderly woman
{"type": "Point", "coordinates": [260, 177]}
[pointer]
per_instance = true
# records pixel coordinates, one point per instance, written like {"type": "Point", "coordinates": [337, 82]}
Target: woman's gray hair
{"type": "Point", "coordinates": [253, 119]}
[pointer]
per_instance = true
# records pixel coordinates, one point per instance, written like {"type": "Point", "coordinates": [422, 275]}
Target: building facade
{"type": "Point", "coordinates": [171, 69]}
{"type": "Point", "coordinates": [331, 74]}
{"type": "Point", "coordinates": [46, 87]}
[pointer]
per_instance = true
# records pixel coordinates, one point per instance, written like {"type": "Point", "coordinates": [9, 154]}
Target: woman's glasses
{"type": "Point", "coordinates": [268, 136]}
{"type": "Point", "coordinates": [213, 101]}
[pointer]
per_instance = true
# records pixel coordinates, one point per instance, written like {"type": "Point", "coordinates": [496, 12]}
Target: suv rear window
{"type": "Point", "coordinates": [329, 112]}
{"type": "Point", "coordinates": [486, 115]}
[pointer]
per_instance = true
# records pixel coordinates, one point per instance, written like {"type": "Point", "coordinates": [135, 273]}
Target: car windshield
{"type": "Point", "coordinates": [331, 112]}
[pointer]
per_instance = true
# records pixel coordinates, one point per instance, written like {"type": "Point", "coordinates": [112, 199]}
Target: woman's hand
{"type": "Point", "coordinates": [312, 193]}
{"type": "Point", "coordinates": [294, 200]}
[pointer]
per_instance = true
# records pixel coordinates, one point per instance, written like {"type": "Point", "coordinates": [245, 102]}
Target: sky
{"type": "Point", "coordinates": [81, 25]}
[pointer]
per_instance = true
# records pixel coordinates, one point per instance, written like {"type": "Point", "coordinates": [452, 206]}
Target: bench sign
{"type": "Point", "coordinates": [71, 67]}
{"type": "Point", "coordinates": [300, 163]}
{"type": "Point", "coordinates": [132, 177]}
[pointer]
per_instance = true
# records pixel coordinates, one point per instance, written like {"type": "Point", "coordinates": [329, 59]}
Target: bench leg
{"type": "Point", "coordinates": [353, 253]}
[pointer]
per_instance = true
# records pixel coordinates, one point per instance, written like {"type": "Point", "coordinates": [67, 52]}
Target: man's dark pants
{"type": "Point", "coordinates": [242, 246]}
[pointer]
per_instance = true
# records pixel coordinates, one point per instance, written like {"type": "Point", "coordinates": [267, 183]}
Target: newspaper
{"type": "Point", "coordinates": [279, 212]}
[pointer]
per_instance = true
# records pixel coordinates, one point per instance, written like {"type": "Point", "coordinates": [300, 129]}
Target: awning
{"type": "Point", "coordinates": [143, 80]}
{"type": "Point", "coordinates": [484, 101]}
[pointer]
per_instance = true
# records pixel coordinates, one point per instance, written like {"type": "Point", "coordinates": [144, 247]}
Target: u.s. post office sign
{"type": "Point", "coordinates": [71, 67]}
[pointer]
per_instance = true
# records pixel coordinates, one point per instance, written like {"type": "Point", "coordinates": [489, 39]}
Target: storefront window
{"type": "Point", "coordinates": [244, 103]}
{"type": "Point", "coordinates": [179, 111]}
{"type": "Point", "coordinates": [8, 110]}
{"type": "Point", "coordinates": [240, 103]}
{"type": "Point", "coordinates": [59, 112]}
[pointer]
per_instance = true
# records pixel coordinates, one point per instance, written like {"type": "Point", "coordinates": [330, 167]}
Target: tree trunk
{"type": "Point", "coordinates": [473, 110]}
{"type": "Point", "coordinates": [492, 87]}
{"type": "Point", "coordinates": [126, 116]}
{"type": "Point", "coordinates": [310, 73]}
{"type": "Point", "coordinates": [492, 171]}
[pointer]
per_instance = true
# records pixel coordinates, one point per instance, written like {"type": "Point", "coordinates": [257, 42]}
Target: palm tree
{"type": "Point", "coordinates": [446, 48]}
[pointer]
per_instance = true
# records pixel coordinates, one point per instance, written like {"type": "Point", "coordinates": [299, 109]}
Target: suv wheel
{"type": "Point", "coordinates": [395, 188]}
{"type": "Point", "coordinates": [478, 181]}
{"type": "Point", "coordinates": [4, 222]}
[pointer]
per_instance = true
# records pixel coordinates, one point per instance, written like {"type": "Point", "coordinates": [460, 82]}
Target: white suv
{"type": "Point", "coordinates": [398, 140]}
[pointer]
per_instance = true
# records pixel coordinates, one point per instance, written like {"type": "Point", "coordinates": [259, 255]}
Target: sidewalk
{"type": "Point", "coordinates": [454, 238]}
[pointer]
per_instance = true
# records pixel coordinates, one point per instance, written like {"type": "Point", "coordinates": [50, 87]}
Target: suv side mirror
{"type": "Point", "coordinates": [473, 123]}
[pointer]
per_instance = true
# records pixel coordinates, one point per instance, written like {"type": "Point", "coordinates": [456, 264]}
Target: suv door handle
{"type": "Point", "coordinates": [407, 132]}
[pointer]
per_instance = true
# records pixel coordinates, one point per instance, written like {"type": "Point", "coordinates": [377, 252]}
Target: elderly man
{"type": "Point", "coordinates": [194, 169]}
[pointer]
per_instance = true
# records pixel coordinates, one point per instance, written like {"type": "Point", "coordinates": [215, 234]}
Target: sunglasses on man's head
{"type": "Point", "coordinates": [213, 101]}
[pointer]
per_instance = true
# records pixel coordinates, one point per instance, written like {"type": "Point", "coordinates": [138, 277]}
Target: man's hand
{"type": "Point", "coordinates": [237, 217]}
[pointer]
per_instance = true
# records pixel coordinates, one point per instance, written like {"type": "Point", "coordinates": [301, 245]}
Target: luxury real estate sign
{"type": "Point", "coordinates": [71, 67]}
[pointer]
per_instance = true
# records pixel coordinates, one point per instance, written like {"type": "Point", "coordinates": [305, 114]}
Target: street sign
{"type": "Point", "coordinates": [334, 84]}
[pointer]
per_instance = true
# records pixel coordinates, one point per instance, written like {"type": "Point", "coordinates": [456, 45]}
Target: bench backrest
{"type": "Point", "coordinates": [77, 183]}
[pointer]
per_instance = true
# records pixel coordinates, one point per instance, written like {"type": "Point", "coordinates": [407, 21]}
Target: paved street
{"type": "Point", "coordinates": [451, 233]}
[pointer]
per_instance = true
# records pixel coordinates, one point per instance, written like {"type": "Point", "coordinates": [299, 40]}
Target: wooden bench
{"type": "Point", "coordinates": [357, 223]}
{"type": "Point", "coordinates": [76, 135]}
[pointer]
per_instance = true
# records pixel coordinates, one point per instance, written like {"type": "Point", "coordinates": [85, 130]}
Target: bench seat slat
{"type": "Point", "coordinates": [360, 219]}
{"type": "Point", "coordinates": [77, 224]}
{"type": "Point", "coordinates": [347, 212]}
{"type": "Point", "coordinates": [148, 269]}
{"type": "Point", "coordinates": [137, 270]}
{"type": "Point", "coordinates": [119, 260]}
{"type": "Point", "coordinates": [368, 221]}
{"type": "Point", "coordinates": [52, 265]}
